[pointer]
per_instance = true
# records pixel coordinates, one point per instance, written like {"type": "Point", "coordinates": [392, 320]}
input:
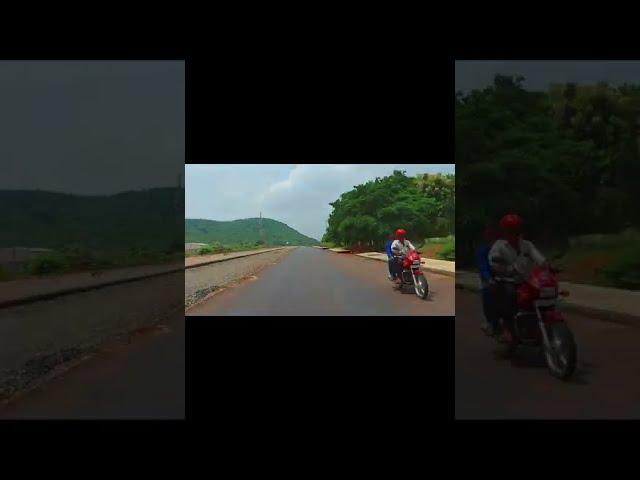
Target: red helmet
{"type": "Point", "coordinates": [511, 223]}
{"type": "Point", "coordinates": [401, 233]}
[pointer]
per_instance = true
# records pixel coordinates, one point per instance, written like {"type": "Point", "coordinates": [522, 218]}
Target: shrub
{"type": "Point", "coordinates": [448, 252]}
{"type": "Point", "coordinates": [78, 258]}
{"type": "Point", "coordinates": [624, 272]}
{"type": "Point", "coordinates": [49, 263]}
{"type": "Point", "coordinates": [206, 250]}
{"type": "Point", "coordinates": [4, 274]}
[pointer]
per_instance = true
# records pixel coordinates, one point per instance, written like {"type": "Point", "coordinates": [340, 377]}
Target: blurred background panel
{"type": "Point", "coordinates": [558, 143]}
{"type": "Point", "coordinates": [91, 229]}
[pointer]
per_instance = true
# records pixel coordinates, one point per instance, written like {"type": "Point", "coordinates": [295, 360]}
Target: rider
{"type": "Point", "coordinates": [490, 322]}
{"type": "Point", "coordinates": [388, 243]}
{"type": "Point", "coordinates": [511, 259]}
{"type": "Point", "coordinates": [400, 247]}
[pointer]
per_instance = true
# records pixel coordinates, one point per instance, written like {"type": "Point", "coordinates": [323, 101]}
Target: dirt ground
{"type": "Point", "coordinates": [585, 268]}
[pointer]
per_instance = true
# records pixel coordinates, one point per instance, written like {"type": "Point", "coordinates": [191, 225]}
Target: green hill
{"type": "Point", "coordinates": [243, 231]}
{"type": "Point", "coordinates": [147, 219]}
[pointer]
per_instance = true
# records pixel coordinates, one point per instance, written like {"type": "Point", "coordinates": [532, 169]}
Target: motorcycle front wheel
{"type": "Point", "coordinates": [422, 287]}
{"type": "Point", "coordinates": [562, 355]}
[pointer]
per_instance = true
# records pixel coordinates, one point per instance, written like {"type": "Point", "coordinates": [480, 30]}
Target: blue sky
{"type": "Point", "coordinates": [297, 195]}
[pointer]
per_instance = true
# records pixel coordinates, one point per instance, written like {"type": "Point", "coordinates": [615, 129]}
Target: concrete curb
{"type": "Point", "coordinates": [424, 267]}
{"type": "Point", "coordinates": [232, 258]}
{"type": "Point", "coordinates": [68, 291]}
{"type": "Point", "coordinates": [591, 312]}
{"type": "Point", "coordinates": [14, 302]}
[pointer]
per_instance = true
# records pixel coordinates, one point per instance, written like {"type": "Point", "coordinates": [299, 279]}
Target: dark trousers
{"type": "Point", "coordinates": [395, 265]}
{"type": "Point", "coordinates": [489, 306]}
{"type": "Point", "coordinates": [507, 302]}
{"type": "Point", "coordinates": [389, 265]}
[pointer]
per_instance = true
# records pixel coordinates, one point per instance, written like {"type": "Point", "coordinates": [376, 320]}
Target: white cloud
{"type": "Point", "coordinates": [297, 195]}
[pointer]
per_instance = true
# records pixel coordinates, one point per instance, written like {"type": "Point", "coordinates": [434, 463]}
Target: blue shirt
{"type": "Point", "coordinates": [388, 245]}
{"type": "Point", "coordinates": [483, 262]}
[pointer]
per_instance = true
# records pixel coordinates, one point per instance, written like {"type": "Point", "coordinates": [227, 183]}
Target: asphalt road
{"type": "Point", "coordinates": [310, 281]}
{"type": "Point", "coordinates": [140, 379]}
{"type": "Point", "coordinates": [606, 384]}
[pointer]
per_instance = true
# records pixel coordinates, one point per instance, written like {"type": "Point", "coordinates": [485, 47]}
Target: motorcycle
{"type": "Point", "coordinates": [538, 323]}
{"type": "Point", "coordinates": [412, 275]}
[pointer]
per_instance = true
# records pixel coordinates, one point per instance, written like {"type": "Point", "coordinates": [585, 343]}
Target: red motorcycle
{"type": "Point", "coordinates": [412, 275]}
{"type": "Point", "coordinates": [538, 323]}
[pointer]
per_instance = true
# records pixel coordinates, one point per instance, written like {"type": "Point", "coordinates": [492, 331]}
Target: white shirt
{"type": "Point", "coordinates": [399, 248]}
{"type": "Point", "coordinates": [508, 264]}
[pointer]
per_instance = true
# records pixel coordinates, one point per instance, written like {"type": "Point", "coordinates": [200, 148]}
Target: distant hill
{"type": "Point", "coordinates": [146, 219]}
{"type": "Point", "coordinates": [244, 231]}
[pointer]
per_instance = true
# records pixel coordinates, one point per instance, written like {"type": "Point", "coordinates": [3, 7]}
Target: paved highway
{"type": "Point", "coordinates": [143, 379]}
{"type": "Point", "coordinates": [310, 281]}
{"type": "Point", "coordinates": [606, 384]}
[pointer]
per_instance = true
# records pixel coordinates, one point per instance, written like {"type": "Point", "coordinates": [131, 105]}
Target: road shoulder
{"type": "Point", "coordinates": [607, 304]}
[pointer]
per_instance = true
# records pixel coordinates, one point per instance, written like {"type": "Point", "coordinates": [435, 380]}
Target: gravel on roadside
{"type": "Point", "coordinates": [36, 338]}
{"type": "Point", "coordinates": [201, 281]}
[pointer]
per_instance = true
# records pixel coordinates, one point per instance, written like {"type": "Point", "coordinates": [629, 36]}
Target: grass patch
{"type": "Point", "coordinates": [49, 263]}
{"type": "Point", "coordinates": [611, 263]}
{"type": "Point", "coordinates": [75, 260]}
{"type": "Point", "coordinates": [5, 274]}
{"type": "Point", "coordinates": [448, 251]}
{"type": "Point", "coordinates": [216, 248]}
{"type": "Point", "coordinates": [624, 271]}
{"type": "Point", "coordinates": [208, 250]}
{"type": "Point", "coordinates": [439, 240]}
{"type": "Point", "coordinates": [78, 259]}
{"type": "Point", "coordinates": [442, 248]}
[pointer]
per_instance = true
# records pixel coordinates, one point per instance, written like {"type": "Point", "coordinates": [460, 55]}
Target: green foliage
{"type": "Point", "coordinates": [94, 232]}
{"type": "Point", "coordinates": [424, 206]}
{"type": "Point", "coordinates": [448, 252]}
{"type": "Point", "coordinates": [247, 231]}
{"type": "Point", "coordinates": [4, 274]}
{"type": "Point", "coordinates": [149, 219]}
{"type": "Point", "coordinates": [624, 272]}
{"type": "Point", "coordinates": [206, 250]}
{"type": "Point", "coordinates": [49, 263]}
{"type": "Point", "coordinates": [439, 240]}
{"type": "Point", "coordinates": [566, 160]}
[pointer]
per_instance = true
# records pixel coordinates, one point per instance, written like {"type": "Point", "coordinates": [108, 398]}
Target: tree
{"type": "Point", "coordinates": [566, 160]}
{"type": "Point", "coordinates": [423, 205]}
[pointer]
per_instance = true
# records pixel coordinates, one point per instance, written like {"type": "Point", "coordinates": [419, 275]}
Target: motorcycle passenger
{"type": "Point", "coordinates": [490, 321]}
{"type": "Point", "coordinates": [400, 248]}
{"type": "Point", "coordinates": [390, 240]}
{"type": "Point", "coordinates": [511, 259]}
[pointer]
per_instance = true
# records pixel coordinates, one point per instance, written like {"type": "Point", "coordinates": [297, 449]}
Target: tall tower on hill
{"type": "Point", "coordinates": [263, 234]}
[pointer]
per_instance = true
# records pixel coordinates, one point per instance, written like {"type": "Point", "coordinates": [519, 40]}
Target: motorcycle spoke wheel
{"type": "Point", "coordinates": [421, 287]}
{"type": "Point", "coordinates": [560, 356]}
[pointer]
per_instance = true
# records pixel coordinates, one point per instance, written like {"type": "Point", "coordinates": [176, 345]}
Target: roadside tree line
{"type": "Point", "coordinates": [423, 205]}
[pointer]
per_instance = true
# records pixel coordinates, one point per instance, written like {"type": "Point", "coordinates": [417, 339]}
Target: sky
{"type": "Point", "coordinates": [298, 195]}
{"type": "Point", "coordinates": [91, 127]}
{"type": "Point", "coordinates": [539, 75]}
